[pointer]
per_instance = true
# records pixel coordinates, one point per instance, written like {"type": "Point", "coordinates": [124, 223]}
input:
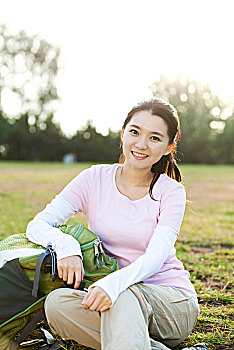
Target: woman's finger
{"type": "Point", "coordinates": [70, 275]}
{"type": "Point", "coordinates": [88, 300]}
{"type": "Point", "coordinates": [78, 278]}
{"type": "Point", "coordinates": [60, 271]}
{"type": "Point", "coordinates": [101, 306]}
{"type": "Point", "coordinates": [96, 300]}
{"type": "Point", "coordinates": [83, 272]}
{"type": "Point", "coordinates": [87, 295]}
{"type": "Point", "coordinates": [70, 267]}
{"type": "Point", "coordinates": [95, 305]}
{"type": "Point", "coordinates": [64, 273]}
{"type": "Point", "coordinates": [104, 308]}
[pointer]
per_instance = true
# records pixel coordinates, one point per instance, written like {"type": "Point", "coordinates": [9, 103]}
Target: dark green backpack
{"type": "Point", "coordinates": [25, 282]}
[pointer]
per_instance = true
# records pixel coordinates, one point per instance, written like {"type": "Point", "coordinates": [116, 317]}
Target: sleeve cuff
{"type": "Point", "coordinates": [67, 246]}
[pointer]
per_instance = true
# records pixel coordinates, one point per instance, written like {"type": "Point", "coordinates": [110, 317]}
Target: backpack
{"type": "Point", "coordinates": [25, 282]}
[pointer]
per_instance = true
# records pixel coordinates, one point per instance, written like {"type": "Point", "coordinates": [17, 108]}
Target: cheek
{"type": "Point", "coordinates": [164, 147]}
{"type": "Point", "coordinates": [124, 147]}
{"type": "Point", "coordinates": [126, 142]}
{"type": "Point", "coordinates": [159, 150]}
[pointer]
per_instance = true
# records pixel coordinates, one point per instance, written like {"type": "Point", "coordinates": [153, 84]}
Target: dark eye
{"type": "Point", "coordinates": [133, 131]}
{"type": "Point", "coordinates": [155, 138]}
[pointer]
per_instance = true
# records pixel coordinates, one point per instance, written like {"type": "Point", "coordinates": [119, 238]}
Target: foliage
{"type": "Point", "coordinates": [22, 141]}
{"type": "Point", "coordinates": [29, 66]}
{"type": "Point", "coordinates": [26, 142]}
{"type": "Point", "coordinates": [205, 243]}
{"type": "Point", "coordinates": [89, 145]}
{"type": "Point", "coordinates": [207, 124]}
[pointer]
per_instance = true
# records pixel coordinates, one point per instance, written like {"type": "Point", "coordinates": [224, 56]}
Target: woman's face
{"type": "Point", "coordinates": [145, 140]}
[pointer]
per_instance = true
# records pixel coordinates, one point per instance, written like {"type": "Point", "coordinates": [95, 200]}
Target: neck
{"type": "Point", "coordinates": [135, 177]}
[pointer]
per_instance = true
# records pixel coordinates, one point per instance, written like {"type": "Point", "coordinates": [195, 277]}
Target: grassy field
{"type": "Point", "coordinates": [204, 245]}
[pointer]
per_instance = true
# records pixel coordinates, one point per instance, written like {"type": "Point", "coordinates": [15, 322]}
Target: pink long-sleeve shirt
{"type": "Point", "coordinates": [140, 234]}
{"type": "Point", "coordinates": [142, 231]}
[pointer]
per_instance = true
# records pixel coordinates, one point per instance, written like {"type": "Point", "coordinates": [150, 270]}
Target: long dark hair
{"type": "Point", "coordinates": [167, 164]}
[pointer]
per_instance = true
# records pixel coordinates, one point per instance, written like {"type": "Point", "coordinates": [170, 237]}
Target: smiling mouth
{"type": "Point", "coordinates": [139, 155]}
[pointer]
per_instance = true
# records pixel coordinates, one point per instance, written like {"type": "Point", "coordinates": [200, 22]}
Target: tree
{"type": "Point", "coordinates": [204, 118]}
{"type": "Point", "coordinates": [25, 142]}
{"type": "Point", "coordinates": [18, 141]}
{"type": "Point", "coordinates": [89, 145]}
{"type": "Point", "coordinates": [51, 144]}
{"type": "Point", "coordinates": [28, 67]}
{"type": "Point", "coordinates": [223, 147]}
{"type": "Point", "coordinates": [5, 130]}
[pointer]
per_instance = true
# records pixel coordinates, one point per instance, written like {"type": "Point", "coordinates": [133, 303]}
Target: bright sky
{"type": "Point", "coordinates": [114, 50]}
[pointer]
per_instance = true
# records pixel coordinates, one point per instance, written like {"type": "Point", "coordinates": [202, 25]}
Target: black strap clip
{"type": "Point", "coordinates": [49, 252]}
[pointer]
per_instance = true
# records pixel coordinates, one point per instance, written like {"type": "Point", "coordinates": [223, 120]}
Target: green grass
{"type": "Point", "coordinates": [204, 245]}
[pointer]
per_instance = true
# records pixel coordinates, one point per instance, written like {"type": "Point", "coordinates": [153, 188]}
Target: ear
{"type": "Point", "coordinates": [169, 148]}
{"type": "Point", "coordinates": [122, 132]}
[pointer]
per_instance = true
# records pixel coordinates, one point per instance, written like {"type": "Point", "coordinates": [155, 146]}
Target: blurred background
{"type": "Point", "coordinates": [71, 70]}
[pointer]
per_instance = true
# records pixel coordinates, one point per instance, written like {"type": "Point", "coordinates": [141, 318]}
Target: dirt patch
{"type": "Point", "coordinates": [209, 249]}
{"type": "Point", "coordinates": [210, 192]}
{"type": "Point", "coordinates": [202, 250]}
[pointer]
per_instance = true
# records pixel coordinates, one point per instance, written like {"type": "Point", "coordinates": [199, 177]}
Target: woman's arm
{"type": "Point", "coordinates": [43, 229]}
{"type": "Point", "coordinates": [74, 198]}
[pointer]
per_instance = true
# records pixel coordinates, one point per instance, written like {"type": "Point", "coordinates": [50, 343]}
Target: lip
{"type": "Point", "coordinates": [140, 158]}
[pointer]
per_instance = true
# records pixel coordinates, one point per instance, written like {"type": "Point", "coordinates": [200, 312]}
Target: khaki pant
{"type": "Point", "coordinates": [143, 317]}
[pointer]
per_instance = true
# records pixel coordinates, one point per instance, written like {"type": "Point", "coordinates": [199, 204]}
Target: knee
{"type": "Point", "coordinates": [60, 302]}
{"type": "Point", "coordinates": [125, 298]}
{"type": "Point", "coordinates": [126, 304]}
{"type": "Point", "coordinates": [52, 303]}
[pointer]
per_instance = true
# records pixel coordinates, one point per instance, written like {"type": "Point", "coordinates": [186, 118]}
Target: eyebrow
{"type": "Point", "coordinates": [153, 132]}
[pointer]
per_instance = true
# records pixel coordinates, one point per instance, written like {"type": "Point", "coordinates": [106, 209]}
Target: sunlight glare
{"type": "Point", "coordinates": [191, 89]}
{"type": "Point", "coordinates": [215, 112]}
{"type": "Point", "coordinates": [218, 126]}
{"type": "Point", "coordinates": [184, 97]}
{"type": "Point", "coordinates": [226, 113]}
{"type": "Point", "coordinates": [11, 102]}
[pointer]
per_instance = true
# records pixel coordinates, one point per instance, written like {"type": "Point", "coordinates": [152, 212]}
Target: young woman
{"type": "Point", "coordinates": [136, 208]}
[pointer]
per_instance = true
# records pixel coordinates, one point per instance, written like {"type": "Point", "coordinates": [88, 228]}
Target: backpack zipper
{"type": "Point", "coordinates": [96, 252]}
{"type": "Point", "coordinates": [102, 252]}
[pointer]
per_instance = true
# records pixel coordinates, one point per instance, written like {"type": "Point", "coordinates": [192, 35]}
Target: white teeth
{"type": "Point", "coordinates": [139, 155]}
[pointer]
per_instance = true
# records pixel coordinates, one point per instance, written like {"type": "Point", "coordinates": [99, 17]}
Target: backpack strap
{"type": "Point", "coordinates": [40, 316]}
{"type": "Point", "coordinates": [49, 251]}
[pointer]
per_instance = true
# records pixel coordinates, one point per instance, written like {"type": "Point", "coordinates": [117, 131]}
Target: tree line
{"type": "Point", "coordinates": [207, 123]}
{"type": "Point", "coordinates": [20, 142]}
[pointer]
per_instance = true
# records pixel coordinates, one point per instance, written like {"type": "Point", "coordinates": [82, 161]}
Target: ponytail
{"type": "Point", "coordinates": [166, 165]}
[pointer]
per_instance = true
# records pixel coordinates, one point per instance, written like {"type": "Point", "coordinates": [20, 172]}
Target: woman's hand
{"type": "Point", "coordinates": [97, 300]}
{"type": "Point", "coordinates": [71, 267]}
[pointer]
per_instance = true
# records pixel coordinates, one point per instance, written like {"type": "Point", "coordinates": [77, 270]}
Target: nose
{"type": "Point", "coordinates": [141, 143]}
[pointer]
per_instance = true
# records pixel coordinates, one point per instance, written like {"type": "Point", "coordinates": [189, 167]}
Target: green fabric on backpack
{"type": "Point", "coordinates": [96, 266]}
{"type": "Point", "coordinates": [90, 244]}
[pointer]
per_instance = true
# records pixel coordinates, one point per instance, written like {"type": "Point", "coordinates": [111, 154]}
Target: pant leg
{"type": "Point", "coordinates": [165, 314]}
{"type": "Point", "coordinates": [172, 313]}
{"type": "Point", "coordinates": [68, 318]}
{"type": "Point", "coordinates": [123, 326]}
{"type": "Point", "coordinates": [156, 345]}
